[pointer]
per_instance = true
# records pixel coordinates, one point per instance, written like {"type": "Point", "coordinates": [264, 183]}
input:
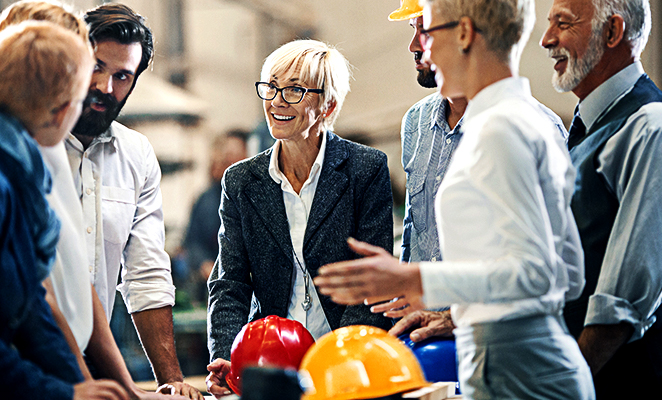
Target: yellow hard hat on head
{"type": "Point", "coordinates": [359, 362]}
{"type": "Point", "coordinates": [408, 9]}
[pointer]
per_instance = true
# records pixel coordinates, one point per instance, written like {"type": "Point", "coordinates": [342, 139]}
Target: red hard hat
{"type": "Point", "coordinates": [270, 341]}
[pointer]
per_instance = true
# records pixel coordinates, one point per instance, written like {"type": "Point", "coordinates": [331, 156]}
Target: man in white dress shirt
{"type": "Point", "coordinates": [615, 144]}
{"type": "Point", "coordinates": [117, 177]}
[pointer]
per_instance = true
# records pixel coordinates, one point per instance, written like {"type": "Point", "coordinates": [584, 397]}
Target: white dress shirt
{"type": "Point", "coordinates": [297, 208]}
{"type": "Point", "coordinates": [630, 285]}
{"type": "Point", "coordinates": [118, 181]}
{"type": "Point", "coordinates": [509, 242]}
{"type": "Point", "coordinates": [71, 282]}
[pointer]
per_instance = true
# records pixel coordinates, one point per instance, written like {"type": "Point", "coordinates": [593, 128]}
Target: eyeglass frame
{"type": "Point", "coordinates": [425, 33]}
{"type": "Point", "coordinates": [305, 90]}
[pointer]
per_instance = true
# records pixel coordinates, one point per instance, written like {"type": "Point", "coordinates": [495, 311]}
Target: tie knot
{"type": "Point", "coordinates": [577, 131]}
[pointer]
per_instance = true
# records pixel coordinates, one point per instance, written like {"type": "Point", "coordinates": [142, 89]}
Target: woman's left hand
{"type": "Point", "coordinates": [373, 279]}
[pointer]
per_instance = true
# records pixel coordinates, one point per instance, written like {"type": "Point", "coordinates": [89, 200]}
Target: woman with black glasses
{"type": "Point", "coordinates": [290, 209]}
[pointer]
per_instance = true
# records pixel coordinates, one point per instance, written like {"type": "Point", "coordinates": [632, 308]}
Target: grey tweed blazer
{"type": "Point", "coordinates": [253, 274]}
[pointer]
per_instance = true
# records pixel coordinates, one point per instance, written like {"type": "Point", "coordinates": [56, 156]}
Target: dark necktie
{"type": "Point", "coordinates": [577, 131]}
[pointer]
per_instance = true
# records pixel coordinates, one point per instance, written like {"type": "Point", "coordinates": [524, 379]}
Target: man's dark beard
{"type": "Point", "coordinates": [94, 123]}
{"type": "Point", "coordinates": [425, 77]}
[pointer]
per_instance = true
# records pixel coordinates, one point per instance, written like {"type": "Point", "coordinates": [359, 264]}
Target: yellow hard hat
{"type": "Point", "coordinates": [408, 9]}
{"type": "Point", "coordinates": [359, 362]}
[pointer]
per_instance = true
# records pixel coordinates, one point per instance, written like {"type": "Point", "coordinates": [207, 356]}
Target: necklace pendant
{"type": "Point", "coordinates": [306, 304]}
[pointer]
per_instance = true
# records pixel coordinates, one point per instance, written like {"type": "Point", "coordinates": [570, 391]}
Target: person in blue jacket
{"type": "Point", "coordinates": [45, 70]}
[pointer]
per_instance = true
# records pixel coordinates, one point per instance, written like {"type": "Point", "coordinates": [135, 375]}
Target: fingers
{"type": "Point", "coordinates": [395, 304]}
{"type": "Point", "coordinates": [183, 389]}
{"type": "Point", "coordinates": [406, 323]}
{"type": "Point", "coordinates": [102, 389]}
{"type": "Point", "coordinates": [345, 296]}
{"type": "Point", "coordinates": [219, 365]}
{"type": "Point", "coordinates": [427, 324]}
{"type": "Point", "coordinates": [217, 390]}
{"type": "Point", "coordinates": [398, 313]}
{"type": "Point", "coordinates": [423, 333]}
{"type": "Point", "coordinates": [166, 389]}
{"type": "Point", "coordinates": [363, 248]}
{"type": "Point", "coordinates": [216, 385]}
{"type": "Point", "coordinates": [345, 271]}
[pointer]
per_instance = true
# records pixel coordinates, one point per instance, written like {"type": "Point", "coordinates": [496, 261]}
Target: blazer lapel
{"type": "Point", "coordinates": [266, 197]}
{"type": "Point", "coordinates": [330, 187]}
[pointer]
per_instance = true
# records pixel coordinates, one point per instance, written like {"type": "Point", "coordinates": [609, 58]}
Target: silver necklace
{"type": "Point", "coordinates": [307, 303]}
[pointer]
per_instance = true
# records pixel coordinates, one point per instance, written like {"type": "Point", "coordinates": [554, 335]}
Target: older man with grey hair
{"type": "Point", "coordinates": [615, 143]}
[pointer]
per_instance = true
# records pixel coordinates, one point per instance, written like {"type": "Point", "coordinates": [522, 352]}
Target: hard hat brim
{"type": "Point", "coordinates": [402, 14]}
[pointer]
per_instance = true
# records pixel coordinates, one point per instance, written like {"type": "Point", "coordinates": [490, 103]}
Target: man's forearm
{"type": "Point", "coordinates": [155, 329]}
{"type": "Point", "coordinates": [599, 343]}
{"type": "Point", "coordinates": [102, 349]}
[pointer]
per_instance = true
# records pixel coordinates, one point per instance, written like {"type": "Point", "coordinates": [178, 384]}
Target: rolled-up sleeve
{"type": "Point", "coordinates": [630, 285]}
{"type": "Point", "coordinates": [146, 276]}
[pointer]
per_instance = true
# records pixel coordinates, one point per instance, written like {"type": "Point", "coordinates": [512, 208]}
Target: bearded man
{"type": "Point", "coordinates": [615, 141]}
{"type": "Point", "coordinates": [118, 180]}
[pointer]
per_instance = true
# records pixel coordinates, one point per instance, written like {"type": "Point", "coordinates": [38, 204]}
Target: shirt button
{"type": "Point", "coordinates": [91, 268]}
{"type": "Point", "coordinates": [89, 229]}
{"type": "Point", "coordinates": [434, 259]}
{"type": "Point", "coordinates": [88, 191]}
{"type": "Point", "coordinates": [448, 140]}
{"type": "Point", "coordinates": [438, 178]}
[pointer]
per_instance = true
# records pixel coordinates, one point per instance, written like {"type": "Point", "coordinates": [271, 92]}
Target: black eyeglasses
{"type": "Point", "coordinates": [291, 94]}
{"type": "Point", "coordinates": [424, 36]}
{"type": "Point", "coordinates": [425, 33]}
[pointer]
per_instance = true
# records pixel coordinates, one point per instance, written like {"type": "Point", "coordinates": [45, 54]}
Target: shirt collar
{"type": "Point", "coordinates": [277, 175]}
{"type": "Point", "coordinates": [106, 137]}
{"type": "Point", "coordinates": [438, 117]}
{"type": "Point", "coordinates": [600, 100]}
{"type": "Point", "coordinates": [495, 93]}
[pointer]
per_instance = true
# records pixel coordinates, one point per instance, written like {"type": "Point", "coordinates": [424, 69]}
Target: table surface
{"type": "Point", "coordinates": [198, 382]}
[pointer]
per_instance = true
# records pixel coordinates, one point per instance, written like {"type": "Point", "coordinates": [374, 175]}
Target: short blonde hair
{"type": "Point", "coordinates": [318, 64]}
{"type": "Point", "coordinates": [43, 66]}
{"type": "Point", "coordinates": [50, 11]}
{"type": "Point", "coordinates": [505, 24]}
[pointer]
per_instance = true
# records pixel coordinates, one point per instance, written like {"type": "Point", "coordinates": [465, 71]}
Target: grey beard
{"type": "Point", "coordinates": [578, 68]}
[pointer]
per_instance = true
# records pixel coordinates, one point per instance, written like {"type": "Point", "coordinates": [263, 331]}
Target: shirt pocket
{"type": "Point", "coordinates": [118, 207]}
{"type": "Point", "coordinates": [418, 203]}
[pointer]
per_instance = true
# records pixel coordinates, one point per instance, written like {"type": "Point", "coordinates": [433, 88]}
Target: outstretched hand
{"type": "Point", "coordinates": [376, 278]}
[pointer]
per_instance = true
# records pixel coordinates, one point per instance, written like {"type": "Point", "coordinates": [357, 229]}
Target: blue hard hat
{"type": "Point", "coordinates": [437, 356]}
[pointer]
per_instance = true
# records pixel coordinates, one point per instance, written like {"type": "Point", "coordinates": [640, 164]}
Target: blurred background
{"type": "Point", "coordinates": [209, 54]}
